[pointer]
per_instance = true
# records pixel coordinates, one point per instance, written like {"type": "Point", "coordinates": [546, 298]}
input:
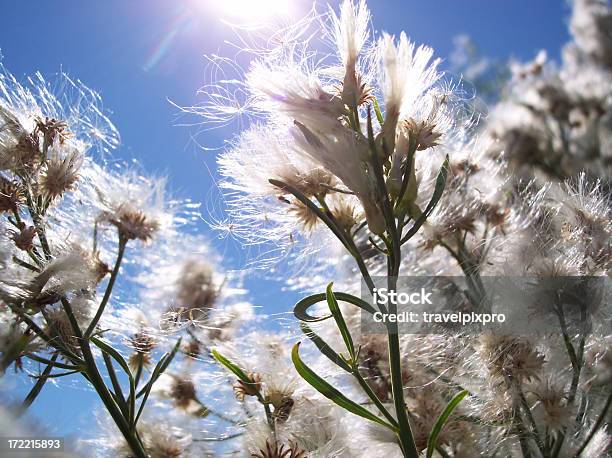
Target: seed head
{"type": "Point", "coordinates": [61, 173]}
{"type": "Point", "coordinates": [464, 167]}
{"type": "Point", "coordinates": [274, 449]}
{"type": "Point", "coordinates": [131, 223]}
{"type": "Point", "coordinates": [496, 215]}
{"type": "Point", "coordinates": [197, 291]}
{"type": "Point", "coordinates": [52, 129]}
{"type": "Point", "coordinates": [555, 412]}
{"type": "Point", "coordinates": [252, 388]}
{"type": "Point", "coordinates": [513, 357]}
{"type": "Point", "coordinates": [422, 133]}
{"type": "Point", "coordinates": [143, 344]}
{"type": "Point", "coordinates": [305, 215]}
{"type": "Point", "coordinates": [282, 412]}
{"type": "Point", "coordinates": [25, 237]}
{"type": "Point", "coordinates": [192, 348]}
{"type": "Point", "coordinates": [11, 195]}
{"type": "Point", "coordinates": [26, 153]}
{"type": "Point", "coordinates": [59, 327]}
{"type": "Point", "coordinates": [312, 183]}
{"type": "Point", "coordinates": [345, 214]}
{"type": "Point", "coordinates": [183, 392]}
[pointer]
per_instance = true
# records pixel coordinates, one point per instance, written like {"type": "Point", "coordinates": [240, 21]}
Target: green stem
{"type": "Point", "coordinates": [368, 389]}
{"type": "Point", "coordinates": [109, 287]}
{"type": "Point", "coordinates": [397, 386]}
{"type": "Point", "coordinates": [536, 434]}
{"type": "Point", "coordinates": [116, 386]}
{"type": "Point", "coordinates": [98, 383]}
{"type": "Point", "coordinates": [576, 361]}
{"type": "Point", "coordinates": [522, 434]}
{"type": "Point", "coordinates": [36, 219]}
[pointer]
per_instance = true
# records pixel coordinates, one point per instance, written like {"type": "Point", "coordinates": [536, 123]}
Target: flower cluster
{"type": "Point", "coordinates": [360, 137]}
{"type": "Point", "coordinates": [72, 224]}
{"type": "Point", "coordinates": [554, 120]}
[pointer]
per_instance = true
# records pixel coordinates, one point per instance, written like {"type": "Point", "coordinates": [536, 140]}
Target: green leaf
{"type": "Point", "coordinates": [325, 348]}
{"type": "Point", "coordinates": [106, 348]}
{"type": "Point", "coordinates": [437, 194]}
{"type": "Point", "coordinates": [337, 314]}
{"type": "Point", "coordinates": [330, 392]}
{"type": "Point", "coordinates": [379, 115]}
{"type": "Point", "coordinates": [110, 351]}
{"type": "Point", "coordinates": [171, 355]}
{"type": "Point", "coordinates": [232, 367]}
{"type": "Point", "coordinates": [161, 366]}
{"type": "Point", "coordinates": [147, 388]}
{"type": "Point", "coordinates": [301, 308]}
{"type": "Point", "coordinates": [432, 442]}
{"type": "Point", "coordinates": [118, 392]}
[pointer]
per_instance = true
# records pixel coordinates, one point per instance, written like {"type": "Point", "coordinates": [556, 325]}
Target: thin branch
{"type": "Point", "coordinates": [109, 287]}
{"type": "Point", "coordinates": [38, 386]}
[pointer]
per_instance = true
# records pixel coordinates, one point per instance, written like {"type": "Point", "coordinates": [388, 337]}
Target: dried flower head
{"type": "Point", "coordinates": [422, 133]}
{"type": "Point", "coordinates": [552, 408]}
{"type": "Point", "coordinates": [283, 410]}
{"type": "Point", "coordinates": [61, 171]}
{"type": "Point", "coordinates": [52, 129]}
{"type": "Point", "coordinates": [131, 223]}
{"type": "Point", "coordinates": [183, 392]}
{"type": "Point", "coordinates": [59, 327]}
{"type": "Point", "coordinates": [274, 449]}
{"type": "Point", "coordinates": [11, 195]}
{"type": "Point", "coordinates": [252, 388]}
{"type": "Point", "coordinates": [277, 392]}
{"type": "Point", "coordinates": [345, 213]}
{"type": "Point", "coordinates": [24, 154]}
{"type": "Point", "coordinates": [306, 217]}
{"type": "Point", "coordinates": [25, 237]}
{"type": "Point", "coordinates": [143, 344]}
{"type": "Point", "coordinates": [74, 269]}
{"type": "Point", "coordinates": [197, 290]}
{"type": "Point", "coordinates": [314, 182]}
{"type": "Point", "coordinates": [510, 357]}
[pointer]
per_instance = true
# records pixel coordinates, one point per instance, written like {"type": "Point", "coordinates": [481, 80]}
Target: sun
{"type": "Point", "coordinates": [254, 10]}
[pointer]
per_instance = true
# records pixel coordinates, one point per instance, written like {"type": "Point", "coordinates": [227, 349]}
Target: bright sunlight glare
{"type": "Point", "coordinates": [254, 10]}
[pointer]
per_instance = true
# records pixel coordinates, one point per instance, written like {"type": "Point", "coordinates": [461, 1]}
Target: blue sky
{"type": "Point", "coordinates": [139, 54]}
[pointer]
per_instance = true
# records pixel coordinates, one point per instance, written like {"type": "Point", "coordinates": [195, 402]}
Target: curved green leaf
{"type": "Point", "coordinates": [435, 198]}
{"type": "Point", "coordinates": [337, 314]}
{"type": "Point", "coordinates": [106, 348]}
{"type": "Point", "coordinates": [330, 392]}
{"type": "Point", "coordinates": [325, 348]}
{"type": "Point", "coordinates": [301, 308]}
{"type": "Point", "coordinates": [432, 442]}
